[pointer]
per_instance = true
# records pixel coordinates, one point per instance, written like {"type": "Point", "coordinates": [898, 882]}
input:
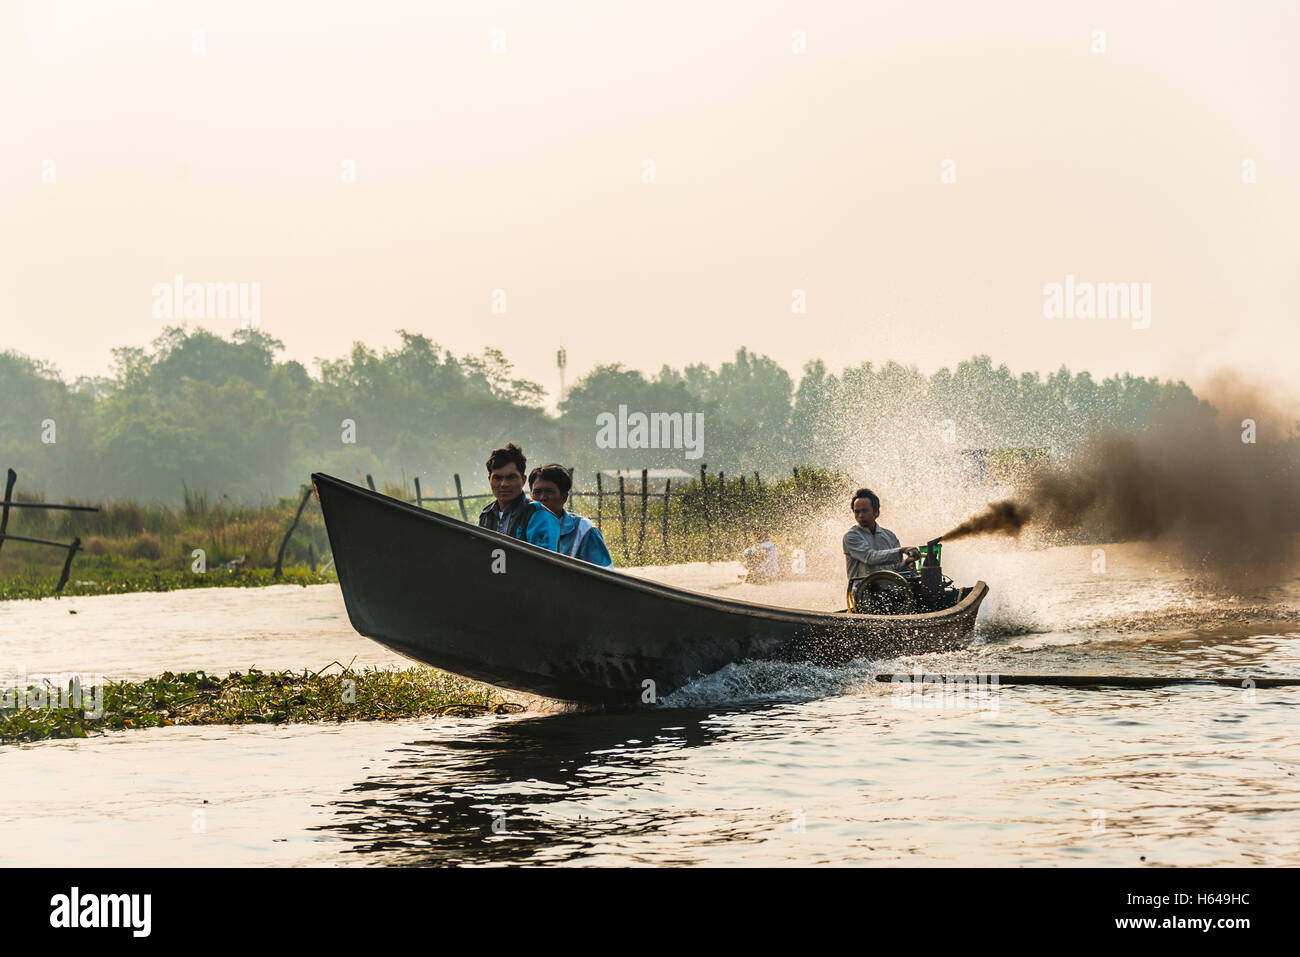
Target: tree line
{"type": "Point", "coordinates": [226, 415]}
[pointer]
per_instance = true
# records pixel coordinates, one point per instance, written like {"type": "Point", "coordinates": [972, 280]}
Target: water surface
{"type": "Point", "coordinates": [761, 763]}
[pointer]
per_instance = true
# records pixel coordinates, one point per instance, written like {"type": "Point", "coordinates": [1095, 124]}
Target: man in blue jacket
{"type": "Point", "coordinates": [512, 513]}
{"type": "Point", "coordinates": [550, 486]}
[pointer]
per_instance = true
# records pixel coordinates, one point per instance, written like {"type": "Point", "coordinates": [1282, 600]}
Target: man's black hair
{"type": "Point", "coordinates": [552, 473]}
{"type": "Point", "coordinates": [500, 458]}
{"type": "Point", "coordinates": [866, 493]}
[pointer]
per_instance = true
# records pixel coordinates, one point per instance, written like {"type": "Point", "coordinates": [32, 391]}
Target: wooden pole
{"type": "Point", "coordinates": [722, 513]}
{"type": "Point", "coordinates": [419, 499]}
{"type": "Point", "coordinates": [686, 539]}
{"type": "Point", "coordinates": [622, 520]}
{"type": "Point", "coordinates": [460, 497]}
{"type": "Point", "coordinates": [704, 506]}
{"type": "Point", "coordinates": [668, 490]}
{"type": "Point", "coordinates": [279, 559]}
{"type": "Point", "coordinates": [744, 518]}
{"type": "Point", "coordinates": [55, 508]}
{"type": "Point", "coordinates": [4, 514]}
{"type": "Point", "coordinates": [67, 563]}
{"type": "Point", "coordinates": [370, 480]}
{"type": "Point", "coordinates": [600, 504]}
{"type": "Point", "coordinates": [645, 499]}
{"type": "Point", "coordinates": [33, 541]}
{"type": "Point", "coordinates": [1122, 681]}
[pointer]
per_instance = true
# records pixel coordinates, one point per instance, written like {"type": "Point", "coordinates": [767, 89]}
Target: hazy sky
{"type": "Point", "coordinates": [775, 171]}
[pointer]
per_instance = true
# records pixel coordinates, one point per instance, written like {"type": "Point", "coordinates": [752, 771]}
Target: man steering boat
{"type": "Point", "coordinates": [869, 551]}
{"type": "Point", "coordinates": [869, 547]}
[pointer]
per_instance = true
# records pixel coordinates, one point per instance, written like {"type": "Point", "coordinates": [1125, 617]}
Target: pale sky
{"type": "Point", "coordinates": [775, 171]}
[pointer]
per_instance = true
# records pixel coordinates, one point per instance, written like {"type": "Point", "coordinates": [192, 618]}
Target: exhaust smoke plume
{"type": "Point", "coordinates": [1009, 517]}
{"type": "Point", "coordinates": [1224, 495]}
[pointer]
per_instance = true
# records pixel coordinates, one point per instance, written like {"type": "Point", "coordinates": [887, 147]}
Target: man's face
{"type": "Point", "coordinates": [549, 494]}
{"type": "Point", "coordinates": [506, 482]}
{"type": "Point", "coordinates": [863, 512]}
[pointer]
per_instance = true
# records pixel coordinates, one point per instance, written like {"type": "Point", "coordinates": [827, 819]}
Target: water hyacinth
{"type": "Point", "coordinates": [259, 697]}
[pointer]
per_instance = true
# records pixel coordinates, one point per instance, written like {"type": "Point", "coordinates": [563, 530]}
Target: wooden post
{"type": "Point", "coordinates": [668, 490]}
{"type": "Point", "coordinates": [4, 515]}
{"type": "Point", "coordinates": [645, 499]}
{"type": "Point", "coordinates": [744, 518]}
{"type": "Point", "coordinates": [370, 480]}
{"type": "Point", "coordinates": [704, 506]}
{"type": "Point", "coordinates": [460, 497]}
{"type": "Point", "coordinates": [7, 504]}
{"type": "Point", "coordinates": [722, 513]}
{"type": "Point", "coordinates": [67, 563]}
{"type": "Point", "coordinates": [600, 503]}
{"type": "Point", "coordinates": [686, 540]}
{"type": "Point", "coordinates": [685, 536]}
{"type": "Point", "coordinates": [419, 499]}
{"type": "Point", "coordinates": [279, 559]}
{"type": "Point", "coordinates": [622, 520]}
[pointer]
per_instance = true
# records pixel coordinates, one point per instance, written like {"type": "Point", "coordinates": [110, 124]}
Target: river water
{"type": "Point", "coordinates": [757, 764]}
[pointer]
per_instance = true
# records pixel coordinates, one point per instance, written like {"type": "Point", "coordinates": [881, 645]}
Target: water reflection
{"type": "Point", "coordinates": [486, 797]}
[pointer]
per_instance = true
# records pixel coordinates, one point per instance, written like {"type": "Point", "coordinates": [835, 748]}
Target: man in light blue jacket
{"type": "Point", "coordinates": [550, 485]}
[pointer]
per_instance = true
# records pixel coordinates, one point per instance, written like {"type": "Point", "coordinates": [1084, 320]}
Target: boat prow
{"type": "Point", "coordinates": [479, 604]}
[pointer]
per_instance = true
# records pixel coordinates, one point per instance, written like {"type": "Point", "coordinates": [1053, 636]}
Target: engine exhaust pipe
{"type": "Point", "coordinates": [931, 569]}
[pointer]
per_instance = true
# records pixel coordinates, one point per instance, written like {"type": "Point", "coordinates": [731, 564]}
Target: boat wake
{"type": "Point", "coordinates": [1008, 622]}
{"type": "Point", "coordinates": [764, 681]}
{"type": "Point", "coordinates": [1113, 643]}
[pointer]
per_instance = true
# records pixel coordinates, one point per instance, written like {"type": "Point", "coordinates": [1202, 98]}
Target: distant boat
{"type": "Point", "coordinates": [500, 611]}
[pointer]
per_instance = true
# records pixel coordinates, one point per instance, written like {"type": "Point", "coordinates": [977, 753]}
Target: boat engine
{"type": "Point", "coordinates": [922, 589]}
{"type": "Point", "coordinates": [883, 592]}
{"type": "Point", "coordinates": [931, 571]}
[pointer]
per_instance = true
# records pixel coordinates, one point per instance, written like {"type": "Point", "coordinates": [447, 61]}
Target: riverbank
{"type": "Point", "coordinates": [114, 575]}
{"type": "Point", "coordinates": [129, 547]}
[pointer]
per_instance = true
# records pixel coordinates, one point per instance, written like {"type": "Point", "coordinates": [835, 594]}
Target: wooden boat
{"type": "Point", "coordinates": [506, 613]}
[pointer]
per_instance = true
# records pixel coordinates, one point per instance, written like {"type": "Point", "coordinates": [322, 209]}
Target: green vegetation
{"type": "Point", "coordinates": [112, 575]}
{"type": "Point", "coordinates": [200, 442]}
{"type": "Point", "coordinates": [738, 512]}
{"type": "Point", "coordinates": [220, 415]}
{"type": "Point", "coordinates": [130, 547]}
{"type": "Point", "coordinates": [257, 697]}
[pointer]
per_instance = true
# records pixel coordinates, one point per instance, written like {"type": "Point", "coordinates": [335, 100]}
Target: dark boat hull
{"type": "Point", "coordinates": [478, 604]}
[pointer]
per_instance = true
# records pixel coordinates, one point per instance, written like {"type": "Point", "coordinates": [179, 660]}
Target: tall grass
{"type": "Point", "coordinates": [125, 540]}
{"type": "Point", "coordinates": [714, 520]}
{"type": "Point", "coordinates": [132, 547]}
